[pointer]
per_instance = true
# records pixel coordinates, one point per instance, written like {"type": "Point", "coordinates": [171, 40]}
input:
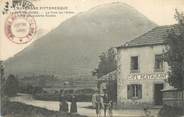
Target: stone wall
{"type": "Point", "coordinates": [173, 98]}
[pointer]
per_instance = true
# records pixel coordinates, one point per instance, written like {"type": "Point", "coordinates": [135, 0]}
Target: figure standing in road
{"type": "Point", "coordinates": [98, 103]}
{"type": "Point", "coordinates": [110, 107]}
{"type": "Point", "coordinates": [105, 102]}
{"type": "Point", "coordinates": [73, 108]}
{"type": "Point", "coordinates": [63, 105]}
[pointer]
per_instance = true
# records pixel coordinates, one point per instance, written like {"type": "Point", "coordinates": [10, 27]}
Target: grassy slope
{"type": "Point", "coordinates": [15, 109]}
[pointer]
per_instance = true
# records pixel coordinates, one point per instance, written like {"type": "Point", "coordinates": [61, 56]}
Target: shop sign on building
{"type": "Point", "coordinates": [148, 76]}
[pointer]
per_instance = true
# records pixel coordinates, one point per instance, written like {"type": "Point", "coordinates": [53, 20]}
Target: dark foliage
{"type": "Point", "coordinates": [11, 87]}
{"type": "Point", "coordinates": [169, 111]}
{"type": "Point", "coordinates": [175, 53]}
{"type": "Point", "coordinates": [107, 63]}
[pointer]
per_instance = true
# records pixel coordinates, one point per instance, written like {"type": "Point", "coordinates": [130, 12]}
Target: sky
{"type": "Point", "coordinates": [159, 11]}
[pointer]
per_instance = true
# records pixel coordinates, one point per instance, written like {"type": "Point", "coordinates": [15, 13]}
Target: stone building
{"type": "Point", "coordinates": [142, 73]}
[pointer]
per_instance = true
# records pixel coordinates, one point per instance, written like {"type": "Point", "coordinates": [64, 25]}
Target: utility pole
{"type": "Point", "coordinates": [2, 72]}
{"type": "Point", "coordinates": [2, 80]}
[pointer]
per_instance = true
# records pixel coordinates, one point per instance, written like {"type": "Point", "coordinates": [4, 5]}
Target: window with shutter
{"type": "Point", "coordinates": [134, 64]}
{"type": "Point", "coordinates": [158, 63]}
{"type": "Point", "coordinates": [134, 91]}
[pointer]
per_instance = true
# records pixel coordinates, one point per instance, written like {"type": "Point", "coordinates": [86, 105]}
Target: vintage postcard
{"type": "Point", "coordinates": [92, 58]}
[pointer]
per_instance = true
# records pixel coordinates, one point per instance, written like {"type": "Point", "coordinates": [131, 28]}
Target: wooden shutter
{"type": "Point", "coordinates": [131, 64]}
{"type": "Point", "coordinates": [129, 91]}
{"type": "Point", "coordinates": [139, 91]}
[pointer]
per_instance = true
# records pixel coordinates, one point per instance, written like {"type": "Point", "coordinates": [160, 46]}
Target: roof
{"type": "Point", "coordinates": [108, 76]}
{"type": "Point", "coordinates": [153, 37]}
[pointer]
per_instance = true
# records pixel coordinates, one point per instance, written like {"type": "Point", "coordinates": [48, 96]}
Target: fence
{"type": "Point", "coordinates": [173, 98]}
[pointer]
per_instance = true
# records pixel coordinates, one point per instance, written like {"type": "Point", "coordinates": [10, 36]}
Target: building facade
{"type": "Point", "coordinates": [142, 73]}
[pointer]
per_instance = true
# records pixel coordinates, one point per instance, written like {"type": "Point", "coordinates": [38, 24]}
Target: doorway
{"type": "Point", "coordinates": [158, 94]}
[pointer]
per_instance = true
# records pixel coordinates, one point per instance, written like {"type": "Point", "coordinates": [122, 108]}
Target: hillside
{"type": "Point", "coordinates": [72, 49]}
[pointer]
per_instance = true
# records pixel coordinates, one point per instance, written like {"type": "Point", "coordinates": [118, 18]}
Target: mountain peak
{"type": "Point", "coordinates": [72, 49]}
{"type": "Point", "coordinates": [114, 7]}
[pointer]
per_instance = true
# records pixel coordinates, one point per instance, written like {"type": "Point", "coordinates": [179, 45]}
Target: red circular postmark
{"type": "Point", "coordinates": [20, 29]}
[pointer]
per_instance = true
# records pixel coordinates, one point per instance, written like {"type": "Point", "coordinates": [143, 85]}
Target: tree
{"type": "Point", "coordinates": [175, 52]}
{"type": "Point", "coordinates": [3, 99]}
{"type": "Point", "coordinates": [11, 86]}
{"type": "Point", "coordinates": [106, 64]}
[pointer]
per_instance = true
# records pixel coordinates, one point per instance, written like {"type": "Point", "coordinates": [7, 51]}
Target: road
{"type": "Point", "coordinates": [82, 107]}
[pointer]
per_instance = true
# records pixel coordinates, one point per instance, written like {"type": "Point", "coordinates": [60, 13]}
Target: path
{"type": "Point", "coordinates": [82, 107]}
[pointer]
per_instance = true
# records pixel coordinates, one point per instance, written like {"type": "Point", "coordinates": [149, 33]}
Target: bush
{"type": "Point", "coordinates": [3, 102]}
{"type": "Point", "coordinates": [169, 111]}
{"type": "Point", "coordinates": [11, 87]}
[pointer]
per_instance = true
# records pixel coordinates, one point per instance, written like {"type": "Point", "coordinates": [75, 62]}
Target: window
{"type": "Point", "coordinates": [134, 91]}
{"type": "Point", "coordinates": [134, 64]}
{"type": "Point", "coordinates": [158, 63]}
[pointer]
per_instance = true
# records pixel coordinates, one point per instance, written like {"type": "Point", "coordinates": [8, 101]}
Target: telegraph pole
{"type": "Point", "coordinates": [2, 77]}
{"type": "Point", "coordinates": [2, 71]}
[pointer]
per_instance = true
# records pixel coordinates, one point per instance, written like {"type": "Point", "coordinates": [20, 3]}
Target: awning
{"type": "Point", "coordinates": [110, 76]}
